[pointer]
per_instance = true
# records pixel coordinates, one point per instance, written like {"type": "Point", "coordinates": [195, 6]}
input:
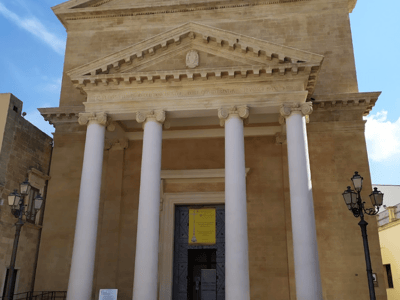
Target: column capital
{"type": "Point", "coordinates": [304, 108]}
{"type": "Point", "coordinates": [89, 118]}
{"type": "Point", "coordinates": [155, 115]}
{"type": "Point", "coordinates": [224, 113]}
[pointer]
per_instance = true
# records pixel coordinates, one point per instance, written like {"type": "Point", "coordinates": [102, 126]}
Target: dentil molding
{"type": "Point", "coordinates": [240, 111]}
{"type": "Point", "coordinates": [287, 108]}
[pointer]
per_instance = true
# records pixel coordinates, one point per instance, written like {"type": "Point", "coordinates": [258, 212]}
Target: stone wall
{"type": "Point", "coordinates": [24, 148]}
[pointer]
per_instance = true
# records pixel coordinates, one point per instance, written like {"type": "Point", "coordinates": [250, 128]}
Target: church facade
{"type": "Point", "coordinates": [200, 152]}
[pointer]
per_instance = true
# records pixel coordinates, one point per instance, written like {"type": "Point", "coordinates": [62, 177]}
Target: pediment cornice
{"type": "Point", "coordinates": [250, 57]}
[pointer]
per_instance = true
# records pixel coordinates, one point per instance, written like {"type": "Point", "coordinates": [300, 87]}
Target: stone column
{"type": "Point", "coordinates": [306, 263]}
{"type": "Point", "coordinates": [146, 260]}
{"type": "Point", "coordinates": [83, 255]}
{"type": "Point", "coordinates": [237, 282]}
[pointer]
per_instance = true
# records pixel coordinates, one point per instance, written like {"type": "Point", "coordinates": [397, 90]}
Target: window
{"type": "Point", "coordinates": [31, 214]}
{"type": "Point", "coordinates": [389, 276]}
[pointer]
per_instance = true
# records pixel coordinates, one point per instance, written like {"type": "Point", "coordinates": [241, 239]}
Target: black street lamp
{"type": "Point", "coordinates": [17, 204]}
{"type": "Point", "coordinates": [356, 206]}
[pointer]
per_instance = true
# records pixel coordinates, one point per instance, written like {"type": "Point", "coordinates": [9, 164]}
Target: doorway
{"type": "Point", "coordinates": [199, 259]}
{"type": "Point", "coordinates": [190, 259]}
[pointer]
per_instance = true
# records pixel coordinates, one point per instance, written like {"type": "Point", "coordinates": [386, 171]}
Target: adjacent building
{"type": "Point", "coordinates": [207, 138]}
{"type": "Point", "coordinates": [25, 152]}
{"type": "Point", "coordinates": [389, 231]}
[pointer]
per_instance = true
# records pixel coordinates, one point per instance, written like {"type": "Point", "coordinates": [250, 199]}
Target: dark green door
{"type": "Point", "coordinates": [190, 259]}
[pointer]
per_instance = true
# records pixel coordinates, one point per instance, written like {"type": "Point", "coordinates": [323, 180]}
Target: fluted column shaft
{"type": "Point", "coordinates": [306, 262]}
{"type": "Point", "coordinates": [237, 283]}
{"type": "Point", "coordinates": [84, 250]}
{"type": "Point", "coordinates": [146, 261]}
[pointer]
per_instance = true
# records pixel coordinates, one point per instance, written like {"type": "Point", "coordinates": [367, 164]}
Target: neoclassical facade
{"type": "Point", "coordinates": [247, 108]}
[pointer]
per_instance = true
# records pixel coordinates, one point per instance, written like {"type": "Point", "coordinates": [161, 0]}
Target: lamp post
{"type": "Point", "coordinates": [356, 206]}
{"type": "Point", "coordinates": [17, 204]}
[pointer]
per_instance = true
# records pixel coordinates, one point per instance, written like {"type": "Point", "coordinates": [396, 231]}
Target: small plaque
{"type": "Point", "coordinates": [202, 226]}
{"type": "Point", "coordinates": [109, 294]}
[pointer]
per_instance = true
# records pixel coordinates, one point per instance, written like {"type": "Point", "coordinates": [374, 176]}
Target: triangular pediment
{"type": "Point", "coordinates": [228, 48]}
{"type": "Point", "coordinates": [176, 60]}
{"type": "Point", "coordinates": [220, 53]}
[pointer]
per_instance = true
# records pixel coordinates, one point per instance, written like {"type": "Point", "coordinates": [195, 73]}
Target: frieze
{"type": "Point", "coordinates": [131, 95]}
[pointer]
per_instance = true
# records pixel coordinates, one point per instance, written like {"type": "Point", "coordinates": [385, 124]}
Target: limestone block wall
{"type": "Point", "coordinates": [318, 26]}
{"type": "Point", "coordinates": [61, 207]}
{"type": "Point", "coordinates": [337, 149]}
{"type": "Point", "coordinates": [24, 147]}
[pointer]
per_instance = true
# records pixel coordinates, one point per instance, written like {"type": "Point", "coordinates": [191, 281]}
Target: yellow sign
{"type": "Point", "coordinates": [202, 227]}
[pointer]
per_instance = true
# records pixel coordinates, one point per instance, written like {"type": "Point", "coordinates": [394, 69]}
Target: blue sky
{"type": "Point", "coordinates": [32, 51]}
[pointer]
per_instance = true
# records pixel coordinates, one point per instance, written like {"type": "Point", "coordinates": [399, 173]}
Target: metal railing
{"type": "Point", "coordinates": [53, 295]}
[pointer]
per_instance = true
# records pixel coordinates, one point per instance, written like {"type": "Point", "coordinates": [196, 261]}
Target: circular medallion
{"type": "Point", "coordinates": [192, 59]}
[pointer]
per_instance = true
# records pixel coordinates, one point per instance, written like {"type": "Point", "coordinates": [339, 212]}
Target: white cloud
{"type": "Point", "coordinates": [51, 85]}
{"type": "Point", "coordinates": [35, 27]}
{"type": "Point", "coordinates": [383, 137]}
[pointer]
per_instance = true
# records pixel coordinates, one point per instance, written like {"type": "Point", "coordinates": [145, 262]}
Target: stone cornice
{"type": "Point", "coordinates": [71, 11]}
{"type": "Point", "coordinates": [63, 114]}
{"type": "Point", "coordinates": [358, 101]}
{"type": "Point", "coordinates": [389, 225]}
{"type": "Point", "coordinates": [128, 79]}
